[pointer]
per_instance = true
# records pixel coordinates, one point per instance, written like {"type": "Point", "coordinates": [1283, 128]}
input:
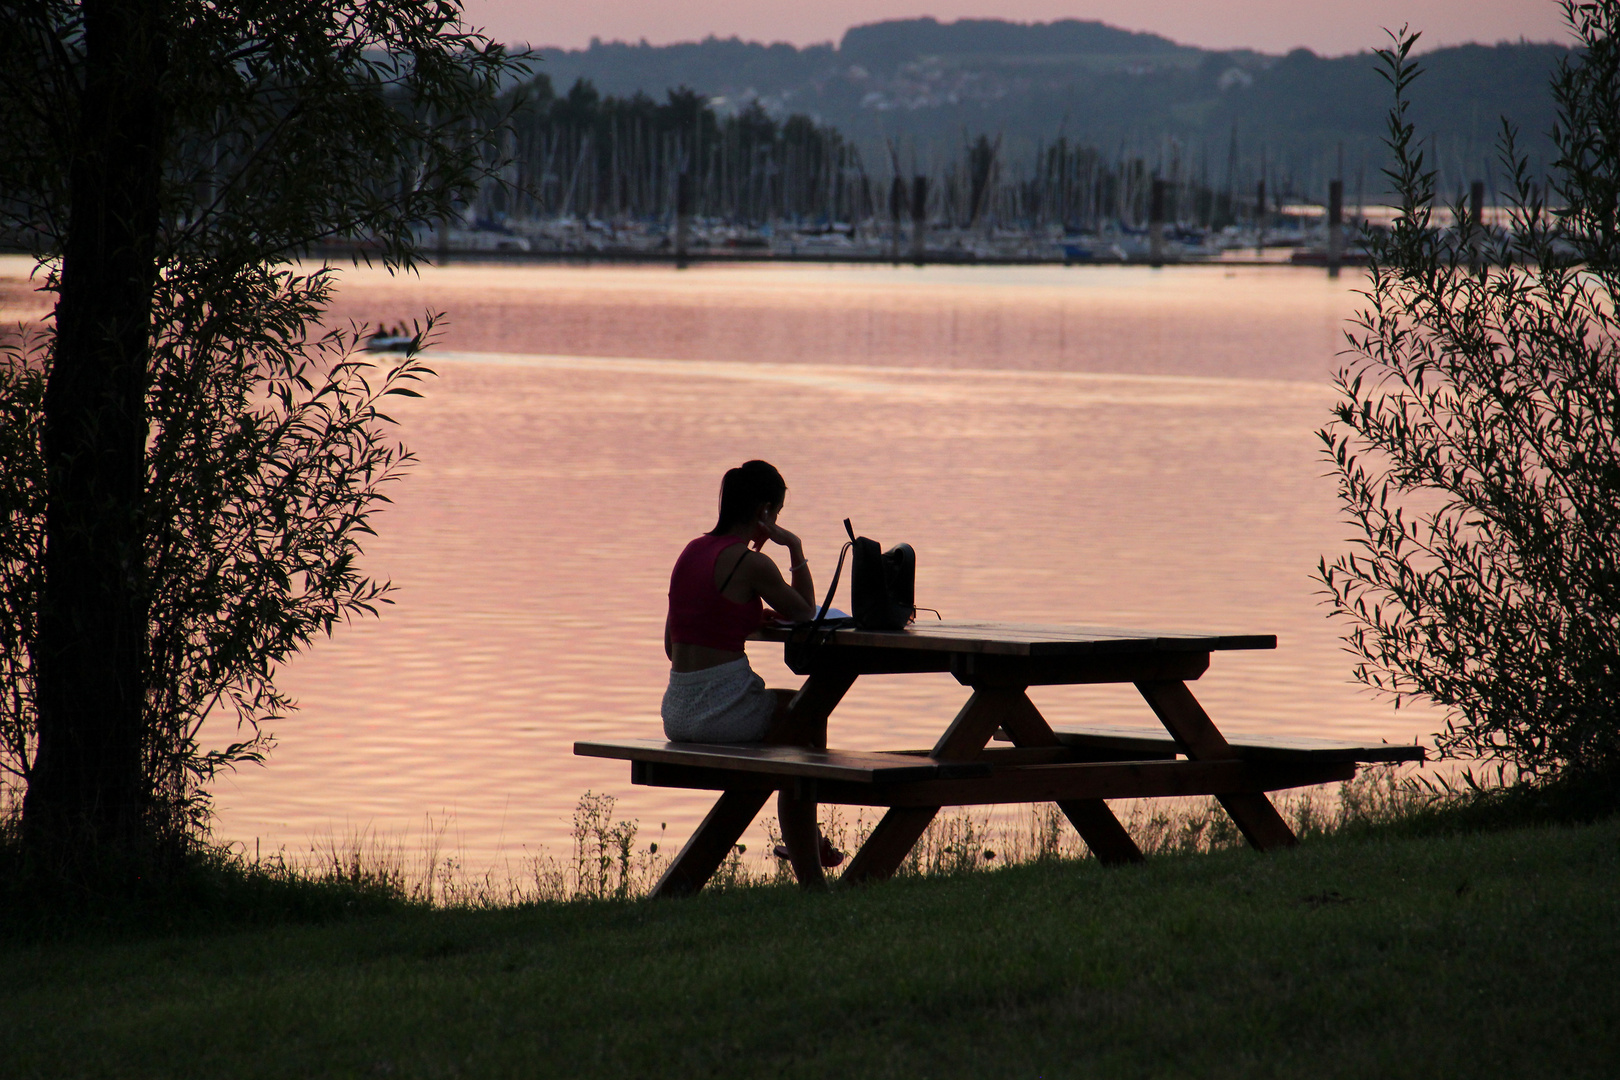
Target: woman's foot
{"type": "Point", "coordinates": [830, 856]}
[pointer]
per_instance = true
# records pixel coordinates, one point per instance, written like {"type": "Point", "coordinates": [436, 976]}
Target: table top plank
{"type": "Point", "coordinates": [1026, 639]}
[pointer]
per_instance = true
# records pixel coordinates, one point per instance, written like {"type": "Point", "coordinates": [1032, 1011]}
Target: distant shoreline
{"type": "Point", "coordinates": [709, 257]}
{"type": "Point", "coordinates": [754, 257]}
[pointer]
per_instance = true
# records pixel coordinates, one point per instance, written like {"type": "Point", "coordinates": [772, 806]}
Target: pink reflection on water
{"type": "Point", "coordinates": [1237, 322]}
{"type": "Point", "coordinates": [532, 545]}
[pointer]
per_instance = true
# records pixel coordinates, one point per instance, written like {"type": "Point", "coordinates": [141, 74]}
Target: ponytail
{"type": "Point", "coordinates": [744, 489]}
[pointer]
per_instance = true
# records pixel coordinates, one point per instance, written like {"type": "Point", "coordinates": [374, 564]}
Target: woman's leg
{"type": "Point", "coordinates": [794, 732]}
{"type": "Point", "coordinates": [782, 732]}
{"type": "Point", "coordinates": [802, 838]}
{"type": "Point", "coordinates": [800, 834]}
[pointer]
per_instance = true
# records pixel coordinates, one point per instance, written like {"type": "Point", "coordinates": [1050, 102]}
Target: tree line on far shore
{"type": "Point", "coordinates": [582, 155]}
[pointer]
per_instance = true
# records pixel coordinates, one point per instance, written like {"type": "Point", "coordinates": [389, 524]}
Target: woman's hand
{"type": "Point", "coordinates": [770, 530]}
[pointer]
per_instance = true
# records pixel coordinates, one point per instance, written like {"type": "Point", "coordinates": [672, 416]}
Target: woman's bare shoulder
{"type": "Point", "coordinates": [761, 562]}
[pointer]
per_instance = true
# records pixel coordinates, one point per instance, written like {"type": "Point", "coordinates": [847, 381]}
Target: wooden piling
{"type": "Point", "coordinates": [1156, 222]}
{"type": "Point", "coordinates": [919, 219]}
{"type": "Point", "coordinates": [1260, 216]}
{"type": "Point", "coordinates": [897, 206]}
{"type": "Point", "coordinates": [1335, 227]}
{"type": "Point", "coordinates": [683, 217]}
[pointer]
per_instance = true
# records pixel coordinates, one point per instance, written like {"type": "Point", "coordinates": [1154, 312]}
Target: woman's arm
{"type": "Point", "coordinates": [788, 601]}
{"type": "Point", "coordinates": [803, 587]}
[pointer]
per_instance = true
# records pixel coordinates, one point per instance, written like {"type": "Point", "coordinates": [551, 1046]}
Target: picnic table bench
{"type": "Point", "coordinates": [1077, 767]}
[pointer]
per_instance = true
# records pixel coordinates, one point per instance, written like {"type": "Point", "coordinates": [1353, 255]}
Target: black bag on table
{"type": "Point", "coordinates": [883, 584]}
{"type": "Point", "coordinates": [883, 587]}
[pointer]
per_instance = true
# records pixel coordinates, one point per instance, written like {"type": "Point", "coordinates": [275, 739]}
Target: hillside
{"type": "Point", "coordinates": [923, 86]}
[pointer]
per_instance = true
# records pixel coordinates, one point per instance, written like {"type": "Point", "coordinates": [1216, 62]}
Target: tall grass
{"type": "Point", "coordinates": [611, 860]}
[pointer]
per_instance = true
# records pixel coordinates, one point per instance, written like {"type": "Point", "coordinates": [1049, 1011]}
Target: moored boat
{"type": "Point", "coordinates": [390, 339]}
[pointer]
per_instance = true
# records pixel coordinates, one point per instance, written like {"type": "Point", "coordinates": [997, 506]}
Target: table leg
{"type": "Point", "coordinates": [805, 724]}
{"type": "Point", "coordinates": [1101, 831]}
{"type": "Point", "coordinates": [1091, 818]}
{"type": "Point", "coordinates": [1185, 719]}
{"type": "Point", "coordinates": [710, 845]}
{"type": "Point", "coordinates": [900, 829]}
{"type": "Point", "coordinates": [896, 834]}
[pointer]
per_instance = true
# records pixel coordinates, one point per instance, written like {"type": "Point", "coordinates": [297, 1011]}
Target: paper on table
{"type": "Point", "coordinates": [832, 613]}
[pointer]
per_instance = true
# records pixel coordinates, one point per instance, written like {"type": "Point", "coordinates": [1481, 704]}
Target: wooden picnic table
{"type": "Point", "coordinates": [1078, 767]}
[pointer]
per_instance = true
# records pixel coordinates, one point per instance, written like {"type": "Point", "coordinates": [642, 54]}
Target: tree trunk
{"type": "Point", "coordinates": [86, 804]}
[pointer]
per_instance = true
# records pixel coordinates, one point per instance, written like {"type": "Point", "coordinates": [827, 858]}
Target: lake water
{"type": "Point", "coordinates": [1091, 445]}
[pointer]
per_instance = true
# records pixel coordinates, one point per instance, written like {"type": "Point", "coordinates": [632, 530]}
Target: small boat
{"type": "Point", "coordinates": [390, 340]}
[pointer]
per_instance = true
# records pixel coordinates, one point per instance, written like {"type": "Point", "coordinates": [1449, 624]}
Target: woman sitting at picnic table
{"type": "Point", "coordinates": [717, 597]}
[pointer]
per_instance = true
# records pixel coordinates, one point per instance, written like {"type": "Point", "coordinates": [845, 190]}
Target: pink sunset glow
{"type": "Point", "coordinates": [1268, 25]}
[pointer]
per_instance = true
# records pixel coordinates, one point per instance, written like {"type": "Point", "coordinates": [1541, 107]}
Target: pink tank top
{"type": "Point", "coordinates": [698, 614]}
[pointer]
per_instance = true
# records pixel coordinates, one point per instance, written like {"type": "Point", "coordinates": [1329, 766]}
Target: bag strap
{"type": "Point", "coordinates": [734, 567]}
{"type": "Point", "coordinates": [826, 604]}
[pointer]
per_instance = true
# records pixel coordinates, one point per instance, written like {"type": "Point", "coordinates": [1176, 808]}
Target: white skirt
{"type": "Point", "coordinates": [726, 703]}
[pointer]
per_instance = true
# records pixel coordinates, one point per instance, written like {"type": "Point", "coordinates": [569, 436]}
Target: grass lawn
{"type": "Point", "coordinates": [1494, 954]}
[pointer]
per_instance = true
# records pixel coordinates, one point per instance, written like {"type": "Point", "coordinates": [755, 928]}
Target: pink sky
{"type": "Point", "coordinates": [1269, 25]}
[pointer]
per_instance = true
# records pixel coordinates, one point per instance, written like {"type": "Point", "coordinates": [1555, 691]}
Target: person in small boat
{"type": "Point", "coordinates": [717, 596]}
